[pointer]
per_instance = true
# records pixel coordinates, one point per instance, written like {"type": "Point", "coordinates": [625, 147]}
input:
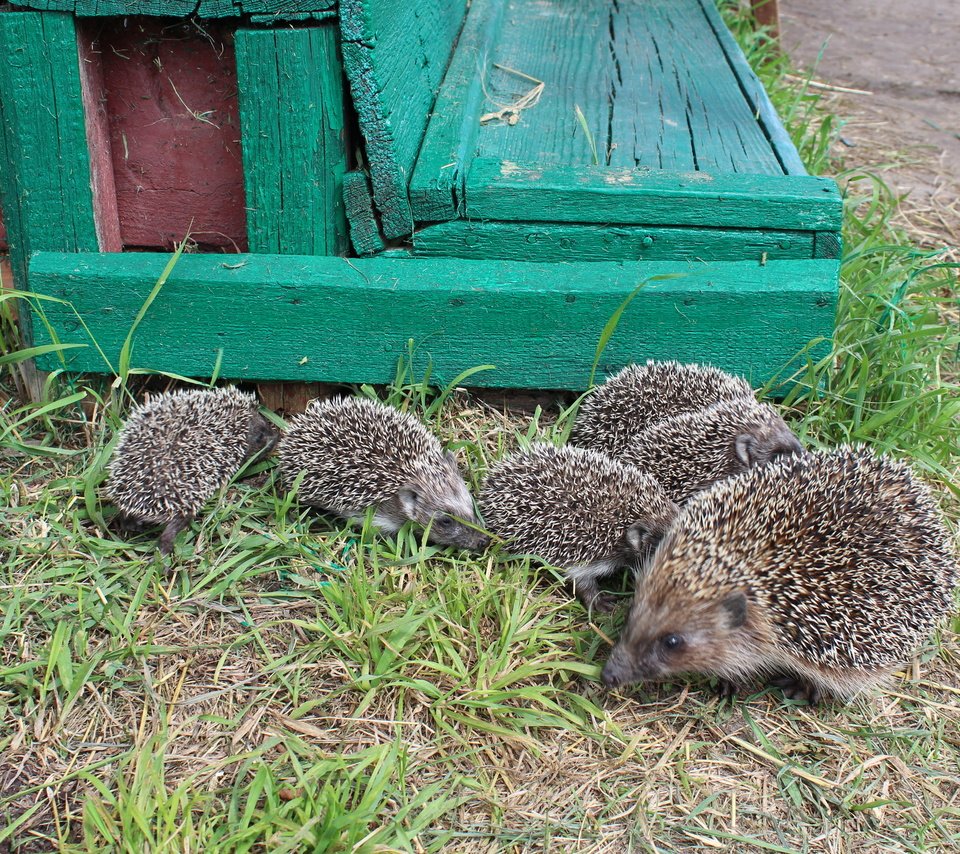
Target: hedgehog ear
{"type": "Point", "coordinates": [451, 459]}
{"type": "Point", "coordinates": [736, 607]}
{"type": "Point", "coordinates": [409, 499]}
{"type": "Point", "coordinates": [639, 539]}
{"type": "Point", "coordinates": [744, 446]}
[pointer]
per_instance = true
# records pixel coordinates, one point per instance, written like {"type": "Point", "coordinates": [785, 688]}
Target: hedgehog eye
{"type": "Point", "coordinates": [442, 522]}
{"type": "Point", "coordinates": [672, 642]}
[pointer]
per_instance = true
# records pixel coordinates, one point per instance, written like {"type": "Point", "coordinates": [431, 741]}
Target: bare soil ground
{"type": "Point", "coordinates": [902, 60]}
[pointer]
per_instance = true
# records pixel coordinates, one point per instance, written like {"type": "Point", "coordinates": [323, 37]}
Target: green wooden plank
{"type": "Point", "coordinates": [348, 320]}
{"type": "Point", "coordinates": [294, 147]}
{"type": "Point", "coordinates": [395, 53]}
{"type": "Point", "coordinates": [10, 199]}
{"type": "Point", "coordinates": [47, 197]}
{"type": "Point", "coordinates": [284, 8]}
{"type": "Point", "coordinates": [698, 92]}
{"type": "Point", "coordinates": [511, 191]}
{"type": "Point", "coordinates": [545, 241]}
{"type": "Point", "coordinates": [268, 10]}
{"type": "Point", "coordinates": [828, 244]}
{"type": "Point", "coordinates": [358, 199]}
{"type": "Point", "coordinates": [648, 109]}
{"type": "Point", "coordinates": [653, 83]}
{"type": "Point", "coordinates": [451, 135]}
{"type": "Point", "coordinates": [566, 46]}
{"type": "Point", "coordinates": [755, 94]}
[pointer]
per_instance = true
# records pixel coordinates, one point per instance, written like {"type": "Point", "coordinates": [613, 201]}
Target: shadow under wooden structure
{"type": "Point", "coordinates": [492, 182]}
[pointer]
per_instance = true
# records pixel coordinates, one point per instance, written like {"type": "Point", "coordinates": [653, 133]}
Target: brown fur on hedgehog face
{"type": "Point", "coordinates": [766, 441]}
{"type": "Point", "coordinates": [719, 636]}
{"type": "Point", "coordinates": [435, 497]}
{"type": "Point", "coordinates": [262, 437]}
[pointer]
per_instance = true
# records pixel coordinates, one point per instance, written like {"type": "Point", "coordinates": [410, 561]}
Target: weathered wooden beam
{"type": "Point", "coordinates": [767, 14]}
{"type": "Point", "coordinates": [294, 140]}
{"type": "Point", "coordinates": [548, 241]}
{"type": "Point", "coordinates": [755, 94]}
{"type": "Point", "coordinates": [395, 53]}
{"type": "Point", "coordinates": [267, 10]}
{"type": "Point", "coordinates": [103, 185]}
{"type": "Point", "coordinates": [45, 184]}
{"type": "Point", "coordinates": [339, 320]}
{"type": "Point", "coordinates": [358, 199]}
{"type": "Point", "coordinates": [451, 136]}
{"type": "Point", "coordinates": [503, 190]}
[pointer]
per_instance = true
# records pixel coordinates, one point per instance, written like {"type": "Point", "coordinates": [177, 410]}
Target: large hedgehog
{"type": "Point", "coordinates": [177, 449]}
{"type": "Point", "coordinates": [690, 452]}
{"type": "Point", "coordinates": [576, 509]}
{"type": "Point", "coordinates": [825, 570]}
{"type": "Point", "coordinates": [356, 453]}
{"type": "Point", "coordinates": [639, 396]}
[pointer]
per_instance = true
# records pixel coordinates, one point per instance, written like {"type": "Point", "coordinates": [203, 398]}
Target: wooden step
{"type": "Point", "coordinates": [349, 320]}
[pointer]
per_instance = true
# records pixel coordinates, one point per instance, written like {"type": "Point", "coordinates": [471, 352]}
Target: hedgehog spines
{"type": "Point", "coordinates": [176, 449]}
{"type": "Point", "coordinates": [577, 509]}
{"type": "Point", "coordinates": [639, 396]}
{"type": "Point", "coordinates": [841, 558]}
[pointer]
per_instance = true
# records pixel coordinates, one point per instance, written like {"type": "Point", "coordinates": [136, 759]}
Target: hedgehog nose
{"type": "Point", "coordinates": [617, 669]}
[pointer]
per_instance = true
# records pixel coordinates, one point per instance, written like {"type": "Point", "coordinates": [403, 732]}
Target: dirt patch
{"type": "Point", "coordinates": [905, 117]}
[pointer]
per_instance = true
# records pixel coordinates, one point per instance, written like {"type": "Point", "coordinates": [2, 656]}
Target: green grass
{"type": "Point", "coordinates": [287, 683]}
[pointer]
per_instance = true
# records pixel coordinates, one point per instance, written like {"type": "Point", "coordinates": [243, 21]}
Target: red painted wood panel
{"type": "Point", "coordinates": [174, 128]}
{"type": "Point", "coordinates": [93, 92]}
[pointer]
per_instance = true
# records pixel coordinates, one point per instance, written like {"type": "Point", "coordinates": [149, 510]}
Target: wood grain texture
{"type": "Point", "coordinates": [268, 9]}
{"type": "Point", "coordinates": [294, 143]}
{"type": "Point", "coordinates": [546, 241]}
{"type": "Point", "coordinates": [339, 320]}
{"type": "Point", "coordinates": [565, 45]}
{"type": "Point", "coordinates": [46, 182]}
{"type": "Point", "coordinates": [104, 188]}
{"type": "Point", "coordinates": [358, 199]}
{"type": "Point", "coordinates": [395, 54]}
{"type": "Point", "coordinates": [755, 94]}
{"type": "Point", "coordinates": [511, 191]}
{"type": "Point", "coordinates": [653, 83]}
{"type": "Point", "coordinates": [174, 132]}
{"type": "Point", "coordinates": [451, 135]}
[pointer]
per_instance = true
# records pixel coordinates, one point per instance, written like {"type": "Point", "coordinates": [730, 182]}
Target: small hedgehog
{"type": "Point", "coordinates": [356, 453]}
{"type": "Point", "coordinates": [825, 570]}
{"type": "Point", "coordinates": [639, 396]}
{"type": "Point", "coordinates": [177, 449]}
{"type": "Point", "coordinates": [577, 509]}
{"type": "Point", "coordinates": [690, 452]}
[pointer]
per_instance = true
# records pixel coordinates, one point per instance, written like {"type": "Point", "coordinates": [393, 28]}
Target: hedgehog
{"type": "Point", "coordinates": [577, 509]}
{"type": "Point", "coordinates": [690, 452]}
{"type": "Point", "coordinates": [823, 571]}
{"type": "Point", "coordinates": [177, 449]}
{"type": "Point", "coordinates": [639, 396]}
{"type": "Point", "coordinates": [356, 453]}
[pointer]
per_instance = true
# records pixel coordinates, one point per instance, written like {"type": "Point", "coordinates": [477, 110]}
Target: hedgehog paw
{"type": "Point", "coordinates": [727, 689]}
{"type": "Point", "coordinates": [795, 688]}
{"type": "Point", "coordinates": [603, 603]}
{"type": "Point", "coordinates": [174, 527]}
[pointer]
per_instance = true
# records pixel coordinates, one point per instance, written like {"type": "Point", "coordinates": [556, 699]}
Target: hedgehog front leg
{"type": "Point", "coordinates": [174, 527]}
{"type": "Point", "coordinates": [796, 688]}
{"type": "Point", "coordinates": [583, 581]}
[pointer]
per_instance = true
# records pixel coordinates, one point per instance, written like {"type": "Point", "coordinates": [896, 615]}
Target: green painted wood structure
{"type": "Point", "coordinates": [505, 174]}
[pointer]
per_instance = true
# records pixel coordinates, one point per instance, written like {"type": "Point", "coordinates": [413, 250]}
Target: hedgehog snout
{"type": "Point", "coordinates": [262, 436]}
{"type": "Point", "coordinates": [622, 668]}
